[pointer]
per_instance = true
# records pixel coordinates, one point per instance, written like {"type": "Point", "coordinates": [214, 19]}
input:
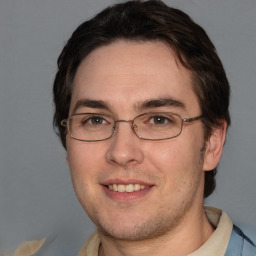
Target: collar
{"type": "Point", "coordinates": [218, 242]}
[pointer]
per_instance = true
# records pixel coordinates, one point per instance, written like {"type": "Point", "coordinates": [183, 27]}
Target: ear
{"type": "Point", "coordinates": [214, 147]}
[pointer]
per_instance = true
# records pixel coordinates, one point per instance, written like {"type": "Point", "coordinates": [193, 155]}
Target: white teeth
{"type": "Point", "coordinates": [126, 188]}
{"type": "Point", "coordinates": [114, 187]}
{"type": "Point", "coordinates": [136, 187]}
{"type": "Point", "coordinates": [121, 188]}
{"type": "Point", "coordinates": [129, 188]}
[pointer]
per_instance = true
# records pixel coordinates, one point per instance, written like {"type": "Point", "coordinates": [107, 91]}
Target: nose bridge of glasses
{"type": "Point", "coordinates": [124, 121]}
{"type": "Point", "coordinates": [133, 126]}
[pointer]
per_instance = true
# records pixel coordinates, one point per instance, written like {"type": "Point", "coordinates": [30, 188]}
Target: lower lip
{"type": "Point", "coordinates": [126, 196]}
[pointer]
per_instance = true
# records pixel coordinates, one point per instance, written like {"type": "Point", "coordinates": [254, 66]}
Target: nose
{"type": "Point", "coordinates": [124, 146]}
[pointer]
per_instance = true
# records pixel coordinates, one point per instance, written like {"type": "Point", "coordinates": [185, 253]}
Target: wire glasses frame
{"type": "Point", "coordinates": [153, 126]}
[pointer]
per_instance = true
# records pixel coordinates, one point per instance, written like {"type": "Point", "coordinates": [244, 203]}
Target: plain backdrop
{"type": "Point", "coordinates": [36, 194]}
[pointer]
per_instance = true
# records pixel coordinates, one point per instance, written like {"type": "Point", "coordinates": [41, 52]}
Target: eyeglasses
{"type": "Point", "coordinates": [148, 126]}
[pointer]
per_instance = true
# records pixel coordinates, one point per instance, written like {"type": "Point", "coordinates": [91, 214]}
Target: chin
{"type": "Point", "coordinates": [135, 230]}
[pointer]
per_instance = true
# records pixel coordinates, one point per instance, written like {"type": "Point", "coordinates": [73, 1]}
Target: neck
{"type": "Point", "coordinates": [195, 231]}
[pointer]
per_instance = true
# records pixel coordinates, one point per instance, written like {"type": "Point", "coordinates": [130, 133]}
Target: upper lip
{"type": "Point", "coordinates": [125, 182]}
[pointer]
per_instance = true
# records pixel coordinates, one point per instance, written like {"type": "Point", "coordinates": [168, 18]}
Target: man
{"type": "Point", "coordinates": [141, 106]}
{"type": "Point", "coordinates": [142, 109]}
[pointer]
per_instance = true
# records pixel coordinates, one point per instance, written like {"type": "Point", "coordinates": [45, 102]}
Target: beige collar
{"type": "Point", "coordinates": [218, 242]}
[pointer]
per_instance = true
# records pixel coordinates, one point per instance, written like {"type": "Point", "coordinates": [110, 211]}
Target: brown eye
{"type": "Point", "coordinates": [96, 120]}
{"type": "Point", "coordinates": [158, 120]}
{"type": "Point", "coordinates": [93, 121]}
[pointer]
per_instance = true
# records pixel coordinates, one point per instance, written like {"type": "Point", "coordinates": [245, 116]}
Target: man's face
{"type": "Point", "coordinates": [129, 79]}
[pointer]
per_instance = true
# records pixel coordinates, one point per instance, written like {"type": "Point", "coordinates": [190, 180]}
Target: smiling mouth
{"type": "Point", "coordinates": [126, 188]}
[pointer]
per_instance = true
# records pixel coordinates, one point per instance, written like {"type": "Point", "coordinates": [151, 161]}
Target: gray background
{"type": "Point", "coordinates": [36, 195]}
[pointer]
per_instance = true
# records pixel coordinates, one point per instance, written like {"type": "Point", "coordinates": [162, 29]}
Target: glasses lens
{"type": "Point", "coordinates": [158, 126]}
{"type": "Point", "coordinates": [91, 127]}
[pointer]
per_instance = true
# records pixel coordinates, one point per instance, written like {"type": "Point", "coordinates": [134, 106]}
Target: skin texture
{"type": "Point", "coordinates": [169, 213]}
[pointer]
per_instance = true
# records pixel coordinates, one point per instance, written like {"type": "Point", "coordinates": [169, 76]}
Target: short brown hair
{"type": "Point", "coordinates": [149, 21]}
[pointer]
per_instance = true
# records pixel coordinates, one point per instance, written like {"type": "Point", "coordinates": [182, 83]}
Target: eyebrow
{"type": "Point", "coordinates": [141, 106]}
{"type": "Point", "coordinates": [90, 104]}
{"type": "Point", "coordinates": [162, 102]}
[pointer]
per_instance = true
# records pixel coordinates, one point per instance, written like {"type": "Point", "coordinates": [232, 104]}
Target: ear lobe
{"type": "Point", "coordinates": [214, 147]}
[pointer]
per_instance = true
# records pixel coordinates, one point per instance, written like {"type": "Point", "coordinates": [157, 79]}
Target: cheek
{"type": "Point", "coordinates": [177, 161]}
{"type": "Point", "coordinates": [168, 155]}
{"type": "Point", "coordinates": [83, 154]}
{"type": "Point", "coordinates": [84, 159]}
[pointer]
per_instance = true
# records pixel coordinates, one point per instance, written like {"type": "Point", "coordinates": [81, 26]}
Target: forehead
{"type": "Point", "coordinates": [126, 72]}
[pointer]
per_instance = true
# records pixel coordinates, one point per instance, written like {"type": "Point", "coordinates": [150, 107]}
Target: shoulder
{"type": "Point", "coordinates": [28, 248]}
{"type": "Point", "coordinates": [91, 247]}
{"type": "Point", "coordinates": [240, 244]}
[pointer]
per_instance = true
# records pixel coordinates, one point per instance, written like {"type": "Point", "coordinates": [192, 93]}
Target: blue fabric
{"type": "Point", "coordinates": [240, 244]}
